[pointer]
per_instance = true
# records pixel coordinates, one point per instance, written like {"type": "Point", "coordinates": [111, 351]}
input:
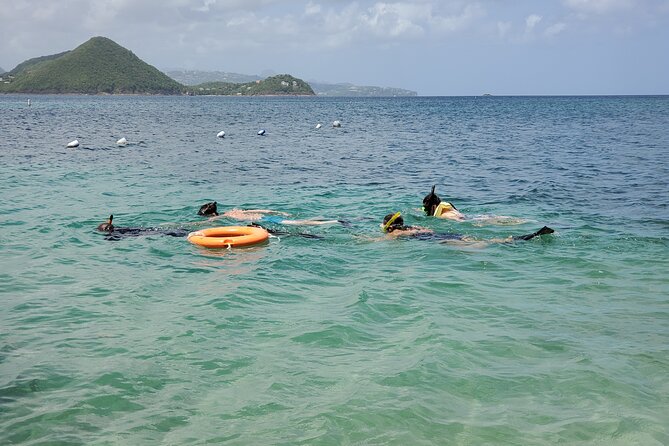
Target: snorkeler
{"type": "Point", "coordinates": [393, 225]}
{"type": "Point", "coordinates": [258, 215]}
{"type": "Point", "coordinates": [116, 233]}
{"type": "Point", "coordinates": [434, 207]}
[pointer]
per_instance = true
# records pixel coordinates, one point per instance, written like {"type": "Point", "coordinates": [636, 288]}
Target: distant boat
{"type": "Point", "coordinates": [319, 125]}
{"type": "Point", "coordinates": [487, 94]}
{"type": "Point", "coordinates": [261, 132]}
{"type": "Point", "coordinates": [29, 103]}
{"type": "Point", "coordinates": [122, 142]}
{"type": "Point", "coordinates": [73, 144]}
{"type": "Point", "coordinates": [221, 134]}
{"type": "Point", "coordinates": [336, 124]}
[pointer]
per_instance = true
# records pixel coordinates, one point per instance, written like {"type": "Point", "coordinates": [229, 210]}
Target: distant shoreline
{"type": "Point", "coordinates": [333, 96]}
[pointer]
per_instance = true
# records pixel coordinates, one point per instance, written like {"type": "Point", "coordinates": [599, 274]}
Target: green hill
{"type": "Point", "coordinates": [283, 84]}
{"type": "Point", "coordinates": [33, 63]}
{"type": "Point", "coordinates": [97, 66]}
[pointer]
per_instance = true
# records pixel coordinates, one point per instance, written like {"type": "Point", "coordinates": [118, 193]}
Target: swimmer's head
{"type": "Point", "coordinates": [431, 201]}
{"type": "Point", "coordinates": [108, 226]}
{"type": "Point", "coordinates": [392, 222]}
{"type": "Point", "coordinates": [208, 209]}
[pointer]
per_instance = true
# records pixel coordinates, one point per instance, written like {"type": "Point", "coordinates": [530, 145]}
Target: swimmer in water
{"type": "Point", "coordinates": [116, 233]}
{"type": "Point", "coordinates": [259, 215]}
{"type": "Point", "coordinates": [433, 206]}
{"type": "Point", "coordinates": [393, 226]}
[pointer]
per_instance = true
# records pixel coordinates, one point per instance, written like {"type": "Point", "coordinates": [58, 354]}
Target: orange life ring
{"type": "Point", "coordinates": [228, 236]}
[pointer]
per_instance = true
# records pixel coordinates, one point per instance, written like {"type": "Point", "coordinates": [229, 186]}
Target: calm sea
{"type": "Point", "coordinates": [349, 338]}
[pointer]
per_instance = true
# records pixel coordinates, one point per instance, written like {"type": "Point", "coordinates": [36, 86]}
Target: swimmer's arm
{"type": "Point", "coordinates": [263, 211]}
{"type": "Point", "coordinates": [243, 214]}
{"type": "Point", "coordinates": [453, 215]}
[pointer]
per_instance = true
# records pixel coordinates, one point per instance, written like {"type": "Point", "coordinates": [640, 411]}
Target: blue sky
{"type": "Point", "coordinates": [447, 47]}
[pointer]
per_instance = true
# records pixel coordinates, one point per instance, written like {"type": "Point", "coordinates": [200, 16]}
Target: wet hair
{"type": "Point", "coordinates": [208, 209]}
{"type": "Point", "coordinates": [431, 201]}
{"type": "Point", "coordinates": [108, 226]}
{"type": "Point", "coordinates": [397, 224]}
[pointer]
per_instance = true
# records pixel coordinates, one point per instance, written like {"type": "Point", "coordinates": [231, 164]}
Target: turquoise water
{"type": "Point", "coordinates": [348, 339]}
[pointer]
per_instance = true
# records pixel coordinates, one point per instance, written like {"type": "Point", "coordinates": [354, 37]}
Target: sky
{"type": "Point", "coordinates": [434, 47]}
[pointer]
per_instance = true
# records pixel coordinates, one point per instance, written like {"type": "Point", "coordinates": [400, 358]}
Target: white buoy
{"type": "Point", "coordinates": [319, 125]}
{"type": "Point", "coordinates": [73, 144]}
{"type": "Point", "coordinates": [220, 134]}
{"type": "Point", "coordinates": [261, 132]}
{"type": "Point", "coordinates": [336, 124]}
{"type": "Point", "coordinates": [122, 142]}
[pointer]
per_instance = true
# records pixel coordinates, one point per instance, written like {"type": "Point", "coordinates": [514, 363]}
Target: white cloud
{"type": "Point", "coordinates": [555, 29]}
{"type": "Point", "coordinates": [394, 19]}
{"type": "Point", "coordinates": [342, 23]}
{"type": "Point", "coordinates": [532, 21]}
{"type": "Point", "coordinates": [459, 20]}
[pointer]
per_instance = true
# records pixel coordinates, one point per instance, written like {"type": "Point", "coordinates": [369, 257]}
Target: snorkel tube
{"type": "Point", "coordinates": [385, 227]}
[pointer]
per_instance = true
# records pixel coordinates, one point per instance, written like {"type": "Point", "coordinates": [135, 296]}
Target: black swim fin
{"type": "Point", "coordinates": [543, 231]}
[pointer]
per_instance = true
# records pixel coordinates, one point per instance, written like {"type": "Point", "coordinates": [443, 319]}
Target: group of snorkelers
{"type": "Point", "coordinates": [392, 224]}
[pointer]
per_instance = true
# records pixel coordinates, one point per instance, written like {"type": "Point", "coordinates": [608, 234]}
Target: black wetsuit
{"type": "Point", "coordinates": [440, 236]}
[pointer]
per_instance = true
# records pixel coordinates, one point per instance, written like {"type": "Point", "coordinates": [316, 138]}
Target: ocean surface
{"type": "Point", "coordinates": [351, 338]}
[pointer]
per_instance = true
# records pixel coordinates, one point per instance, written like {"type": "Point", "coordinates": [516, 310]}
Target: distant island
{"type": "Point", "coordinates": [101, 66]}
{"type": "Point", "coordinates": [200, 78]}
{"type": "Point", "coordinates": [346, 89]}
{"type": "Point", "coordinates": [282, 84]}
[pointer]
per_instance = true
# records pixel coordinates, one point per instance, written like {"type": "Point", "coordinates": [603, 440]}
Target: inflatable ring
{"type": "Point", "coordinates": [228, 236]}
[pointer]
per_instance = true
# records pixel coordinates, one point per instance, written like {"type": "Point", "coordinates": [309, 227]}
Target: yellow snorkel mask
{"type": "Point", "coordinates": [385, 227]}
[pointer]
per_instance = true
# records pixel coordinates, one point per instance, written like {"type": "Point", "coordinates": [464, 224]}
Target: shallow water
{"type": "Point", "coordinates": [350, 339]}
